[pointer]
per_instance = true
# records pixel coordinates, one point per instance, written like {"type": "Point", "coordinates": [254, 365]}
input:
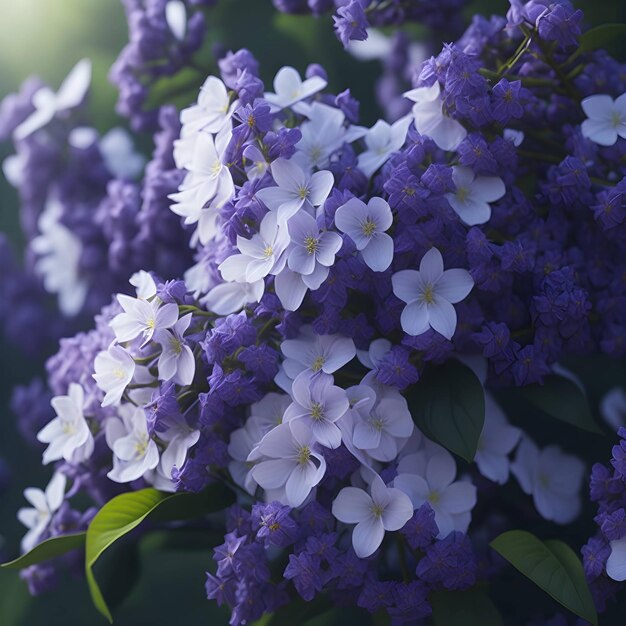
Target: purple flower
{"type": "Point", "coordinates": [274, 524]}
{"type": "Point", "coordinates": [350, 23]}
{"type": "Point", "coordinates": [420, 531]}
{"type": "Point", "coordinates": [305, 570]}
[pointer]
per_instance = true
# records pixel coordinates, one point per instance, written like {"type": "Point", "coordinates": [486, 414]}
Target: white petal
{"type": "Point", "coordinates": [616, 563]}
{"type": "Point", "coordinates": [599, 106]}
{"type": "Point", "coordinates": [378, 253]}
{"type": "Point", "coordinates": [459, 497]}
{"type": "Point", "coordinates": [442, 317]}
{"type": "Point", "coordinates": [319, 187]}
{"type": "Point", "coordinates": [352, 505]}
{"type": "Point", "coordinates": [407, 285]}
{"type": "Point", "coordinates": [398, 511]}
{"type": "Point", "coordinates": [440, 471]}
{"type": "Point", "coordinates": [454, 285]}
{"type": "Point", "coordinates": [414, 318]}
{"type": "Point", "coordinates": [367, 536]}
{"type": "Point", "coordinates": [290, 289]}
{"type": "Point", "coordinates": [431, 266]}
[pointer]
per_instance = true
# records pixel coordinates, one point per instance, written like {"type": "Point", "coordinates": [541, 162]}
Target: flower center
{"type": "Point", "coordinates": [303, 192]}
{"type": "Point", "coordinates": [462, 194]}
{"type": "Point", "coordinates": [377, 510]}
{"type": "Point", "coordinates": [434, 497]}
{"type": "Point", "coordinates": [216, 168]}
{"type": "Point", "coordinates": [368, 227]}
{"type": "Point", "coordinates": [428, 295]}
{"type": "Point", "coordinates": [317, 411]}
{"type": "Point", "coordinates": [119, 373]}
{"type": "Point", "coordinates": [176, 345]}
{"type": "Point", "coordinates": [311, 244]}
{"type": "Point", "coordinates": [317, 365]}
{"type": "Point", "coordinates": [616, 119]}
{"type": "Point", "coordinates": [377, 424]}
{"type": "Point", "coordinates": [268, 252]}
{"type": "Point", "coordinates": [141, 446]}
{"type": "Point", "coordinates": [304, 454]}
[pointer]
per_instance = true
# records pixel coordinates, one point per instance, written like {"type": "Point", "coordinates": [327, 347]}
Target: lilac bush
{"type": "Point", "coordinates": [334, 320]}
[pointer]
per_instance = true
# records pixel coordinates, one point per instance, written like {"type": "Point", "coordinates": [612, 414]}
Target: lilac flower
{"type": "Point", "coordinates": [366, 226]}
{"type": "Point", "coordinates": [381, 141]}
{"type": "Point", "coordinates": [421, 530]}
{"type": "Point", "coordinates": [430, 294]}
{"type": "Point", "coordinates": [351, 23]}
{"type": "Point", "coordinates": [274, 524]}
{"type": "Point", "coordinates": [384, 508]}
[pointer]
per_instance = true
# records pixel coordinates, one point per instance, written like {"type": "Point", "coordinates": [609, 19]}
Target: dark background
{"type": "Point", "coordinates": [47, 37]}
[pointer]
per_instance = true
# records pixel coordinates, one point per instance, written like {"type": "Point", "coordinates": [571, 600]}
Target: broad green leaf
{"type": "Point", "coordinates": [553, 566]}
{"type": "Point", "coordinates": [470, 608]}
{"type": "Point", "coordinates": [600, 36]}
{"type": "Point", "coordinates": [48, 549]}
{"type": "Point", "coordinates": [125, 512]}
{"type": "Point", "coordinates": [562, 399]}
{"type": "Point", "coordinates": [448, 405]}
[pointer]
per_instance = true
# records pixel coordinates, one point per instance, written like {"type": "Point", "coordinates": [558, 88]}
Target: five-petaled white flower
{"type": "Point", "coordinates": [289, 88]}
{"type": "Point", "coordinates": [296, 189]}
{"type": "Point", "coordinates": [114, 369]}
{"type": "Point", "coordinates": [176, 362]}
{"type": "Point", "coordinates": [45, 504]}
{"type": "Point", "coordinates": [429, 295]}
{"type": "Point", "coordinates": [290, 462]}
{"type": "Point", "coordinates": [430, 119]}
{"type": "Point", "coordinates": [142, 318]}
{"type": "Point", "coordinates": [381, 141]}
{"type": "Point", "coordinates": [473, 194]}
{"type": "Point", "coordinates": [616, 563]}
{"type": "Point", "coordinates": [366, 224]}
{"type": "Point", "coordinates": [384, 508]}
{"type": "Point", "coordinates": [48, 103]}
{"type": "Point", "coordinates": [606, 118]}
{"type": "Point", "coordinates": [68, 434]}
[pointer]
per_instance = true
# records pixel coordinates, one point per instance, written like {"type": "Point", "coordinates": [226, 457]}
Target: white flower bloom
{"type": "Point", "coordinates": [176, 18]}
{"type": "Point", "coordinates": [616, 563]}
{"type": "Point", "coordinates": [134, 453]}
{"type": "Point", "coordinates": [384, 431]}
{"type": "Point", "coordinates": [316, 353]}
{"type": "Point", "coordinates": [256, 163]}
{"type": "Point", "coordinates": [430, 119]}
{"type": "Point", "coordinates": [320, 404]}
{"type": "Point", "coordinates": [142, 318]}
{"type": "Point", "coordinates": [290, 462]}
{"type": "Point", "coordinates": [497, 440]}
{"type": "Point", "coordinates": [323, 135]}
{"type": "Point", "coordinates": [176, 362]}
{"type": "Point", "coordinates": [429, 294]}
{"type": "Point", "coordinates": [144, 284]}
{"type": "Point", "coordinates": [289, 88]}
{"type": "Point", "coordinates": [606, 118]}
{"type": "Point", "coordinates": [381, 141]}
{"type": "Point", "coordinates": [45, 504]}
{"type": "Point", "coordinates": [473, 194]}
{"type": "Point", "coordinates": [295, 189]}
{"type": "Point", "coordinates": [48, 104]}
{"type": "Point", "coordinates": [232, 297]}
{"type": "Point", "coordinates": [552, 478]}
{"type": "Point", "coordinates": [429, 476]}
{"type": "Point", "coordinates": [114, 369]}
{"type": "Point", "coordinates": [68, 434]}
{"type": "Point", "coordinates": [613, 408]}
{"type": "Point", "coordinates": [366, 224]}
{"type": "Point", "coordinates": [290, 289]}
{"type": "Point", "coordinates": [59, 253]}
{"type": "Point", "coordinates": [384, 508]}
{"type": "Point", "coordinates": [120, 156]}
{"type": "Point", "coordinates": [261, 255]}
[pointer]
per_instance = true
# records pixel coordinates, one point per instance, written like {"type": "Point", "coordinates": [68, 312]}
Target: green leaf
{"type": "Point", "coordinates": [448, 405]}
{"type": "Point", "coordinates": [562, 399]}
{"type": "Point", "coordinates": [48, 549]}
{"type": "Point", "coordinates": [125, 512]}
{"type": "Point", "coordinates": [470, 608]}
{"type": "Point", "coordinates": [553, 566]}
{"type": "Point", "coordinates": [600, 36]}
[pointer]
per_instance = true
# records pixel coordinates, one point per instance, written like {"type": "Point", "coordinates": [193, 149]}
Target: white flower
{"type": "Point", "coordinates": [616, 563]}
{"type": "Point", "coordinates": [430, 119]}
{"type": "Point", "coordinates": [261, 255]}
{"type": "Point", "coordinates": [384, 508]}
{"type": "Point", "coordinates": [430, 294]}
{"type": "Point", "coordinates": [366, 224]}
{"type": "Point", "coordinates": [473, 194]}
{"type": "Point", "coordinates": [68, 434]}
{"type": "Point", "coordinates": [296, 189]}
{"type": "Point", "coordinates": [134, 453]}
{"type": "Point", "coordinates": [606, 118]}
{"type": "Point", "coordinates": [613, 408]}
{"type": "Point", "coordinates": [144, 284]}
{"type": "Point", "coordinates": [290, 462]}
{"type": "Point", "coordinates": [176, 18]}
{"type": "Point", "coordinates": [232, 297]}
{"type": "Point", "coordinates": [59, 253]}
{"type": "Point", "coordinates": [142, 318]}
{"type": "Point", "coordinates": [45, 505]}
{"type": "Point", "coordinates": [552, 478]}
{"type": "Point", "coordinates": [114, 369]}
{"type": "Point", "coordinates": [256, 163]}
{"type": "Point", "coordinates": [384, 430]}
{"type": "Point", "coordinates": [323, 135]}
{"type": "Point", "coordinates": [496, 441]}
{"type": "Point", "coordinates": [381, 141]}
{"type": "Point", "coordinates": [289, 88]}
{"type": "Point", "coordinates": [320, 404]}
{"type": "Point", "coordinates": [428, 476]}
{"type": "Point", "coordinates": [316, 353]}
{"type": "Point", "coordinates": [176, 362]}
{"type": "Point", "coordinates": [119, 154]}
{"type": "Point", "coordinates": [48, 103]}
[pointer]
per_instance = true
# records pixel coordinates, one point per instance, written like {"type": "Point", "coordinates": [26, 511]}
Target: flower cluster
{"type": "Point", "coordinates": [335, 267]}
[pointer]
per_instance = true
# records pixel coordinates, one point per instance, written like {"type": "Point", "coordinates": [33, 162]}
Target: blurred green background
{"type": "Point", "coordinates": [46, 38]}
